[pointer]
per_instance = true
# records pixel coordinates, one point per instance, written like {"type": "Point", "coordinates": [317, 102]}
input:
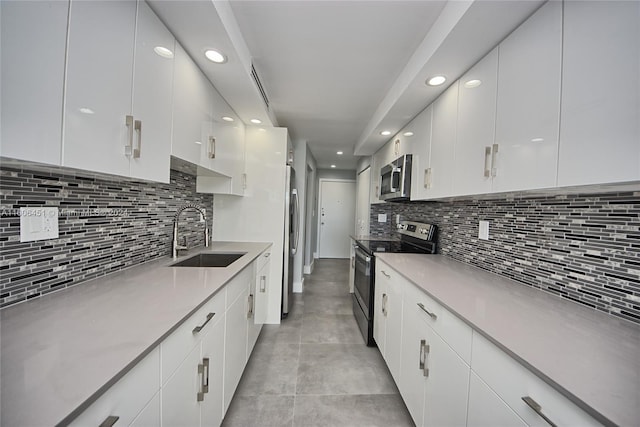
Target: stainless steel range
{"type": "Point", "coordinates": [413, 237]}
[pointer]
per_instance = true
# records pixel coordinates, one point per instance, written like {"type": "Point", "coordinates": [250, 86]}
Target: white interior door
{"type": "Point", "coordinates": [337, 217]}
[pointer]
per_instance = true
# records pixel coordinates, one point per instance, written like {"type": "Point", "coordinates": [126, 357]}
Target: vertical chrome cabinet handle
{"type": "Point", "coordinates": [205, 376]}
{"type": "Point", "coordinates": [263, 284]}
{"type": "Point", "coordinates": [427, 178]}
{"type": "Point", "coordinates": [494, 166]}
{"type": "Point", "coordinates": [425, 368]}
{"type": "Point", "coordinates": [487, 162]}
{"type": "Point", "coordinates": [432, 315]}
{"type": "Point", "coordinates": [199, 328]}
{"type": "Point", "coordinates": [212, 147]}
{"type": "Point", "coordinates": [109, 421]}
{"type": "Point", "coordinates": [200, 394]}
{"type": "Point", "coordinates": [250, 309]}
{"type": "Point", "coordinates": [422, 360]}
{"type": "Point", "coordinates": [536, 407]}
{"type": "Point", "coordinates": [384, 304]}
{"type": "Point", "coordinates": [138, 128]}
{"type": "Point", "coordinates": [129, 145]}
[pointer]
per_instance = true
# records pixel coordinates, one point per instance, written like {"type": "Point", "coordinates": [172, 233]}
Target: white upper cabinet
{"type": "Point", "coordinates": [600, 124]}
{"type": "Point", "coordinates": [99, 83]}
{"type": "Point", "coordinates": [192, 106]}
{"type": "Point", "coordinates": [421, 142]}
{"type": "Point", "coordinates": [476, 127]}
{"type": "Point", "coordinates": [34, 36]}
{"type": "Point", "coordinates": [152, 86]}
{"type": "Point", "coordinates": [117, 110]}
{"type": "Point", "coordinates": [528, 108]}
{"type": "Point", "coordinates": [439, 179]}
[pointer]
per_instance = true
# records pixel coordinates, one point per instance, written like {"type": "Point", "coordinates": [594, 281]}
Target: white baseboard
{"type": "Point", "coordinates": [308, 269]}
{"type": "Point", "coordinates": [298, 286]}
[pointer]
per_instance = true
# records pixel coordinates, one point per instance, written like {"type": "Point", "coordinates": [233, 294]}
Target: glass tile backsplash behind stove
{"type": "Point", "coordinates": [585, 247]}
{"type": "Point", "coordinates": [105, 226]}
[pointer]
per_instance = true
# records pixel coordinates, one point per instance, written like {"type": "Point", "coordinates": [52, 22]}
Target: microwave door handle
{"type": "Point", "coordinates": [395, 171]}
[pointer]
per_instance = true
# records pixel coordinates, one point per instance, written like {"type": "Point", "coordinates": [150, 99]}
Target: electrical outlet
{"type": "Point", "coordinates": [483, 230]}
{"type": "Point", "coordinates": [382, 217]}
{"type": "Point", "coordinates": [38, 223]}
{"type": "Point", "coordinates": [397, 218]}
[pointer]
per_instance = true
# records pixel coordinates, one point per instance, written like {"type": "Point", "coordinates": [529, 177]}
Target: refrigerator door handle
{"type": "Point", "coordinates": [296, 234]}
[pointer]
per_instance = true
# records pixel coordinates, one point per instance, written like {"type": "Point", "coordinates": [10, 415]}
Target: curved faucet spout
{"type": "Point", "coordinates": [175, 247]}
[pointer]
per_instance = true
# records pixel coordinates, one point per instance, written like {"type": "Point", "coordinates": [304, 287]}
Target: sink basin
{"type": "Point", "coordinates": [209, 260]}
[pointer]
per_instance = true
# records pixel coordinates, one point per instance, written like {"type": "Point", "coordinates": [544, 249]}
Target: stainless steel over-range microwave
{"type": "Point", "coordinates": [395, 179]}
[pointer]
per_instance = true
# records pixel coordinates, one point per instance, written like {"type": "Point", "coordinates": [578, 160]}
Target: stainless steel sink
{"type": "Point", "coordinates": [210, 260]}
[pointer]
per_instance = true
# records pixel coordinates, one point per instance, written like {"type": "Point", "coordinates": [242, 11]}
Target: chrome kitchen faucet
{"type": "Point", "coordinates": [175, 247]}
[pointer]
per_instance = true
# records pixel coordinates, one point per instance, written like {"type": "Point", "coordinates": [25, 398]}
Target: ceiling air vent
{"type": "Point", "coordinates": [256, 79]}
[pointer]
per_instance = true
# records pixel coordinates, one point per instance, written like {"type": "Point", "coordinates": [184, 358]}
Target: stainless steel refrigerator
{"type": "Point", "coordinates": [291, 239]}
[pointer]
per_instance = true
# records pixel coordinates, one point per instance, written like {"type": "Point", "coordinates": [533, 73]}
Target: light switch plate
{"type": "Point", "coordinates": [483, 230]}
{"type": "Point", "coordinates": [382, 217]}
{"type": "Point", "coordinates": [38, 223]}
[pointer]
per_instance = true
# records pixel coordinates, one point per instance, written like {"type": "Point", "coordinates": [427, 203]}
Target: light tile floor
{"type": "Point", "coordinates": [314, 369]}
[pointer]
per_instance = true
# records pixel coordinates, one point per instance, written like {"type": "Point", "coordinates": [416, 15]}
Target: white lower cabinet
{"type": "Point", "coordinates": [150, 415]}
{"type": "Point", "coordinates": [449, 374]}
{"type": "Point", "coordinates": [434, 380]}
{"type": "Point", "coordinates": [486, 409]}
{"type": "Point", "coordinates": [127, 397]}
{"type": "Point", "coordinates": [235, 349]}
{"type": "Point", "coordinates": [180, 406]}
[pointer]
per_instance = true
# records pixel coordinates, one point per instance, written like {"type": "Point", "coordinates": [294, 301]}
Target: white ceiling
{"type": "Point", "coordinates": [338, 72]}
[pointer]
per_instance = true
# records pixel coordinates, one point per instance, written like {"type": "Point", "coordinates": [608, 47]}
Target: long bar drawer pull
{"type": "Point", "coordinates": [263, 283]}
{"type": "Point", "coordinates": [536, 407]}
{"type": "Point", "coordinates": [385, 274]}
{"type": "Point", "coordinates": [199, 328]}
{"type": "Point", "coordinates": [109, 421]}
{"type": "Point", "coordinates": [432, 315]}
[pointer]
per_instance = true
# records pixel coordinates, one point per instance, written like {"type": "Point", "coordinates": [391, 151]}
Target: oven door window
{"type": "Point", "coordinates": [362, 279]}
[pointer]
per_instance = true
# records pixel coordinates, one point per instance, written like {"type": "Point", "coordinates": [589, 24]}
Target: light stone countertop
{"type": "Point", "coordinates": [57, 351]}
{"type": "Point", "coordinates": [590, 357]}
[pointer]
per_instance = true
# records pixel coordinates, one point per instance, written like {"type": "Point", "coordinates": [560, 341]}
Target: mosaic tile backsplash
{"type": "Point", "coordinates": [585, 248]}
{"type": "Point", "coordinates": [104, 226]}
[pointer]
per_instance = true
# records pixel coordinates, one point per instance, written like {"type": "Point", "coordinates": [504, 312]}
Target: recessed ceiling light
{"type": "Point", "coordinates": [339, 153]}
{"type": "Point", "coordinates": [163, 51]}
{"type": "Point", "coordinates": [333, 166]}
{"type": "Point", "coordinates": [85, 110]}
{"type": "Point", "coordinates": [215, 56]}
{"type": "Point", "coordinates": [385, 133]}
{"type": "Point", "coordinates": [255, 121]}
{"type": "Point", "coordinates": [227, 118]}
{"type": "Point", "coordinates": [198, 142]}
{"type": "Point", "coordinates": [472, 83]}
{"type": "Point", "coordinates": [408, 134]}
{"type": "Point", "coordinates": [537, 140]}
{"type": "Point", "coordinates": [436, 80]}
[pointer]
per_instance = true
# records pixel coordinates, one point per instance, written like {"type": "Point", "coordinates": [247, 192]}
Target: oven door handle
{"type": "Point", "coordinates": [398, 171]}
{"type": "Point", "coordinates": [362, 255]}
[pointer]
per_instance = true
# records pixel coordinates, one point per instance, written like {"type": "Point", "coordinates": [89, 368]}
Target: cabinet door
{"type": "Point", "coordinates": [528, 109]}
{"type": "Point", "coordinates": [150, 415]}
{"type": "Point", "coordinates": [486, 409]}
{"type": "Point", "coordinates": [235, 346]}
{"type": "Point", "coordinates": [376, 164]}
{"type": "Point", "coordinates": [261, 295]}
{"type": "Point", "coordinates": [190, 108]}
{"type": "Point", "coordinates": [98, 89]}
{"type": "Point", "coordinates": [127, 397]}
{"type": "Point", "coordinates": [421, 128]}
{"type": "Point", "coordinates": [599, 131]}
{"type": "Point", "coordinates": [212, 408]}
{"type": "Point", "coordinates": [476, 127]}
{"type": "Point", "coordinates": [180, 406]}
{"type": "Point", "coordinates": [393, 325]}
{"type": "Point", "coordinates": [447, 385]}
{"type": "Point", "coordinates": [380, 307]}
{"type": "Point", "coordinates": [253, 326]}
{"type": "Point", "coordinates": [412, 377]}
{"type": "Point", "coordinates": [443, 139]}
{"type": "Point", "coordinates": [152, 87]}
{"type": "Point", "coordinates": [34, 36]}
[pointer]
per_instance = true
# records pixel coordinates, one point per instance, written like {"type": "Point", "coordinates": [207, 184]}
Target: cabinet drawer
{"type": "Point", "coordinates": [511, 381]}
{"type": "Point", "coordinates": [126, 398]}
{"type": "Point", "coordinates": [238, 285]}
{"type": "Point", "coordinates": [453, 331]}
{"type": "Point", "coordinates": [176, 347]}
